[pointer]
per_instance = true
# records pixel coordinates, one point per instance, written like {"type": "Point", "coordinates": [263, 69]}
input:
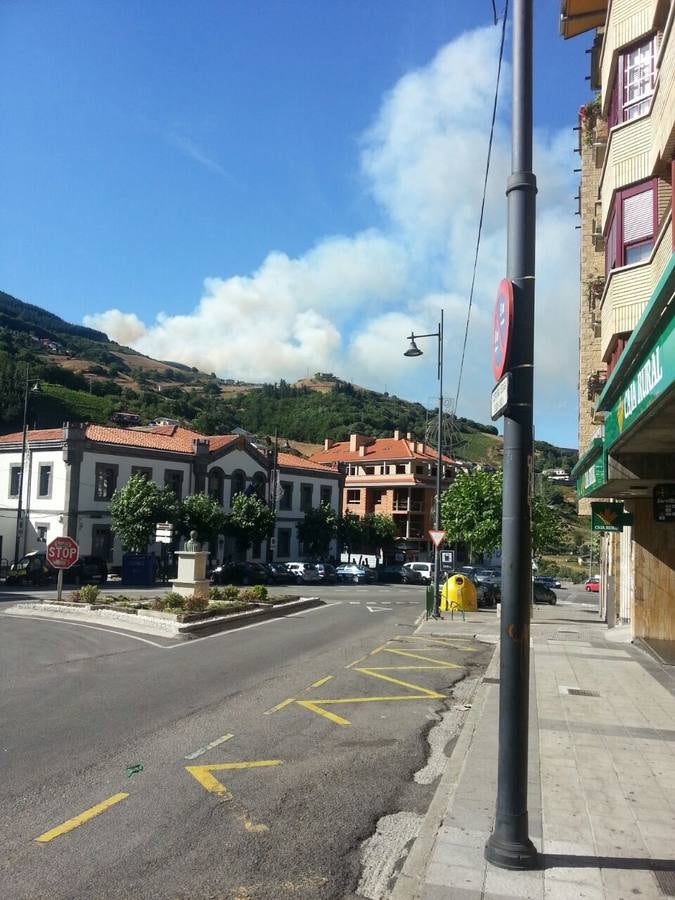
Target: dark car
{"type": "Point", "coordinates": [548, 581]}
{"type": "Point", "coordinates": [488, 593]}
{"type": "Point", "coordinates": [326, 572]}
{"type": "Point", "coordinates": [32, 569]}
{"type": "Point", "coordinates": [543, 594]}
{"type": "Point", "coordinates": [241, 573]}
{"type": "Point", "coordinates": [279, 573]}
{"type": "Point", "coordinates": [350, 572]}
{"type": "Point", "coordinates": [87, 570]}
{"type": "Point", "coordinates": [399, 574]}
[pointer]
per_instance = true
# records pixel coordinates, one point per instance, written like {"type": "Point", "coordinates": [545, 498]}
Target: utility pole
{"type": "Point", "coordinates": [19, 507]}
{"type": "Point", "coordinates": [509, 846]}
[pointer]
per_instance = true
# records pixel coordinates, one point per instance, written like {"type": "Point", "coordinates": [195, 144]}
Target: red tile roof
{"type": "Point", "coordinates": [37, 434]}
{"type": "Point", "coordinates": [179, 441]}
{"type": "Point", "coordinates": [379, 449]}
{"type": "Point", "coordinates": [288, 460]}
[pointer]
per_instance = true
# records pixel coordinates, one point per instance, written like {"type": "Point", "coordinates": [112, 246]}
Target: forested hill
{"type": "Point", "coordinates": [83, 376]}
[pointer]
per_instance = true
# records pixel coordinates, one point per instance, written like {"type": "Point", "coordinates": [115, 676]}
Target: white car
{"type": "Point", "coordinates": [304, 572]}
{"type": "Point", "coordinates": [426, 570]}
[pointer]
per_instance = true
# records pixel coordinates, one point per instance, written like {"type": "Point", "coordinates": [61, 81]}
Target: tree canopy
{"type": "Point", "coordinates": [137, 507]}
{"type": "Point", "coordinates": [317, 529]}
{"type": "Point", "coordinates": [250, 520]}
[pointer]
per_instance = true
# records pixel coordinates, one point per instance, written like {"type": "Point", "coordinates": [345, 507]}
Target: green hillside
{"type": "Point", "coordinates": [85, 377]}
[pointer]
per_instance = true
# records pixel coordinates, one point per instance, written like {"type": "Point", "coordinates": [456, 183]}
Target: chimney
{"type": "Point", "coordinates": [327, 444]}
{"type": "Point", "coordinates": [356, 441]}
{"type": "Point", "coordinates": [410, 436]}
{"type": "Point", "coordinates": [397, 435]}
{"type": "Point", "coordinates": [362, 450]}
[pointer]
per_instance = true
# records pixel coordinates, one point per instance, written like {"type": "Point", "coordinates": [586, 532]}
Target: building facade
{"type": "Point", "coordinates": [71, 473]}
{"type": "Point", "coordinates": [627, 420]}
{"type": "Point", "coordinates": [395, 476]}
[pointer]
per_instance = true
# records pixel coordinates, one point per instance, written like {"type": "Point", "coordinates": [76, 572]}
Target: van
{"type": "Point", "coordinates": [425, 569]}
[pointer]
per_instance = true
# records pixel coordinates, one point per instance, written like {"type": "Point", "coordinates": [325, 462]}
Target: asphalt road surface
{"type": "Point", "coordinates": [268, 754]}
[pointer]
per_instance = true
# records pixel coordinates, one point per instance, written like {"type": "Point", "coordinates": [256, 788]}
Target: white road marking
{"type": "Point", "coordinates": [207, 747]}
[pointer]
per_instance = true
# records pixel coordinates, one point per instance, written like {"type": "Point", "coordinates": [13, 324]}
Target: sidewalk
{"type": "Point", "coordinates": [601, 773]}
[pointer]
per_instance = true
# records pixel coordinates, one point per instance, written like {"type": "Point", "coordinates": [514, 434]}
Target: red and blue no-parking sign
{"type": "Point", "coordinates": [502, 325]}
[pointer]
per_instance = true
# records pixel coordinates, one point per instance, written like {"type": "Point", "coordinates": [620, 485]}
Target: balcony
{"type": "Point", "coordinates": [663, 108]}
{"type": "Point", "coordinates": [595, 383]}
{"type": "Point", "coordinates": [628, 160]}
{"type": "Point", "coordinates": [628, 289]}
{"type": "Point", "coordinates": [628, 21]}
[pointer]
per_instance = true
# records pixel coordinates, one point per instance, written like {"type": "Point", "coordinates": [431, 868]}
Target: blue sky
{"type": "Point", "coordinates": [267, 189]}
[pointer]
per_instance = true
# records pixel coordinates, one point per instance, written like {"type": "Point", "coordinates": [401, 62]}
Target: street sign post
{"type": "Point", "coordinates": [500, 397]}
{"type": "Point", "coordinates": [502, 325]}
{"type": "Point", "coordinates": [437, 537]}
{"type": "Point", "coordinates": [62, 553]}
{"type": "Point", "coordinates": [163, 532]}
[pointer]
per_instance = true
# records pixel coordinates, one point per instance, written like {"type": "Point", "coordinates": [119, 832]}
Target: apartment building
{"type": "Point", "coordinates": [395, 476]}
{"type": "Point", "coordinates": [627, 311]}
{"type": "Point", "coordinates": [71, 473]}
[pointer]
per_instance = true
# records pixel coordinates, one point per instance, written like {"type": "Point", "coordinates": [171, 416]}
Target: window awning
{"type": "Point", "coordinates": [578, 16]}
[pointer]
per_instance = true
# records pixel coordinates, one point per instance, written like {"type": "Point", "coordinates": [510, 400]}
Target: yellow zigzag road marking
{"type": "Point", "coordinates": [456, 642]}
{"type": "Point", "coordinates": [203, 775]}
{"type": "Point", "coordinates": [419, 692]}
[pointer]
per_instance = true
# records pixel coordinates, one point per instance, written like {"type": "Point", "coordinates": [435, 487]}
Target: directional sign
{"type": "Point", "coordinates": [203, 774]}
{"type": "Point", "coordinates": [62, 552]}
{"type": "Point", "coordinates": [163, 532]}
{"type": "Point", "coordinates": [437, 537]}
{"type": "Point", "coordinates": [500, 397]}
{"type": "Point", "coordinates": [502, 326]}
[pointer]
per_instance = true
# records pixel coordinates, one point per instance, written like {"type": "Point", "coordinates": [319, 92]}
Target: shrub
{"type": "Point", "coordinates": [229, 594]}
{"type": "Point", "coordinates": [259, 591]}
{"type": "Point", "coordinates": [173, 600]}
{"type": "Point", "coordinates": [195, 603]}
{"type": "Point", "coordinates": [158, 603]}
{"type": "Point", "coordinates": [75, 597]}
{"type": "Point", "coordinates": [250, 595]}
{"type": "Point", "coordinates": [89, 593]}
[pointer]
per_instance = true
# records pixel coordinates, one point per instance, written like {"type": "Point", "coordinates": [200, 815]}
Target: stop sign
{"type": "Point", "coordinates": [62, 552]}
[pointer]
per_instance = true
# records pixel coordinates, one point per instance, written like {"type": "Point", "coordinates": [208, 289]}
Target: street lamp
{"type": "Point", "coordinates": [19, 508]}
{"type": "Point", "coordinates": [414, 350]}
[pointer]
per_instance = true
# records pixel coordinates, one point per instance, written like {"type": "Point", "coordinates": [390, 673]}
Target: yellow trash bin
{"type": "Point", "coordinates": [459, 592]}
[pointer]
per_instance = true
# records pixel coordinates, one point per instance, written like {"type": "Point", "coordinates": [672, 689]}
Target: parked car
{"type": "Point", "coordinates": [485, 576]}
{"type": "Point", "coordinates": [279, 573]}
{"type": "Point", "coordinates": [543, 594]}
{"type": "Point", "coordinates": [32, 569]}
{"type": "Point", "coordinates": [548, 581]}
{"type": "Point", "coordinates": [356, 574]}
{"type": "Point", "coordinates": [592, 584]}
{"type": "Point", "coordinates": [87, 570]}
{"type": "Point", "coordinates": [326, 572]}
{"type": "Point", "coordinates": [398, 574]}
{"type": "Point", "coordinates": [488, 593]}
{"type": "Point", "coordinates": [244, 572]}
{"type": "Point", "coordinates": [426, 570]}
{"type": "Point", "coordinates": [303, 573]}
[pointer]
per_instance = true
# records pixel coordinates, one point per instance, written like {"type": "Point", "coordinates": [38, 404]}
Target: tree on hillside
{"type": "Point", "coordinates": [251, 520]}
{"type": "Point", "coordinates": [317, 529]}
{"type": "Point", "coordinates": [202, 514]}
{"type": "Point", "coordinates": [137, 507]}
{"type": "Point", "coordinates": [471, 513]}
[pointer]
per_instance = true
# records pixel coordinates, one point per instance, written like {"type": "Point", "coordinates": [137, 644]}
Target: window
{"type": "Point", "coordinates": [237, 485]}
{"type": "Point", "coordinates": [14, 480]}
{"type": "Point", "coordinates": [369, 470]}
{"type": "Point", "coordinates": [326, 494]}
{"type": "Point", "coordinates": [286, 499]}
{"type": "Point", "coordinates": [632, 226]}
{"type": "Point", "coordinates": [41, 533]}
{"type": "Point", "coordinates": [400, 468]}
{"type": "Point", "coordinates": [259, 483]}
{"type": "Point", "coordinates": [102, 540]}
{"type": "Point", "coordinates": [146, 471]}
{"type": "Point", "coordinates": [306, 497]}
{"type": "Point", "coordinates": [420, 470]}
{"type": "Point", "coordinates": [283, 542]}
{"type": "Point", "coordinates": [106, 481]}
{"type": "Point", "coordinates": [256, 550]}
{"type": "Point", "coordinates": [45, 480]}
{"type": "Point", "coordinates": [353, 496]}
{"type": "Point", "coordinates": [633, 83]}
{"type": "Point", "coordinates": [173, 479]}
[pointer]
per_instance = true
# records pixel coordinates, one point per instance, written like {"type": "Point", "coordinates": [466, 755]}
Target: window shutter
{"type": "Point", "coordinates": [638, 216]}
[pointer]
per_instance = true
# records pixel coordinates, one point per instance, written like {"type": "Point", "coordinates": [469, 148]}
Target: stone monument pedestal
{"type": "Point", "coordinates": [191, 578]}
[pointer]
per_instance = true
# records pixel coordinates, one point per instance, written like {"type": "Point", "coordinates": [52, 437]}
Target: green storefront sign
{"type": "Point", "coordinates": [655, 375]}
{"type": "Point", "coordinates": [609, 517]}
{"type": "Point", "coordinates": [592, 478]}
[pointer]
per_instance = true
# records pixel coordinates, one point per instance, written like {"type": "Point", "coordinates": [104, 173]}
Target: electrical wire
{"type": "Point", "coordinates": [482, 206]}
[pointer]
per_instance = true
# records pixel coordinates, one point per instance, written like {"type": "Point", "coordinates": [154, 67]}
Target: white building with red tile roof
{"type": "Point", "coordinates": [395, 476]}
{"type": "Point", "coordinates": [70, 475]}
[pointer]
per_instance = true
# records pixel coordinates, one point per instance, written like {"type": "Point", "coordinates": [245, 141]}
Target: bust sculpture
{"type": "Point", "coordinates": [193, 545]}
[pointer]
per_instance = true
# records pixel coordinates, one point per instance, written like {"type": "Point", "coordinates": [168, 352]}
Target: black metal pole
{"type": "Point", "coordinates": [509, 846]}
{"type": "Point", "coordinates": [439, 464]}
{"type": "Point", "coordinates": [19, 508]}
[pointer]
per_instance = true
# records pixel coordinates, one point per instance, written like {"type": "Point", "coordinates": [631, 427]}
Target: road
{"type": "Point", "coordinates": [268, 754]}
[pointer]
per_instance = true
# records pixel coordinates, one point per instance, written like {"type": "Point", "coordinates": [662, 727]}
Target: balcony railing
{"type": "Point", "coordinates": [408, 506]}
{"type": "Point", "coordinates": [627, 159]}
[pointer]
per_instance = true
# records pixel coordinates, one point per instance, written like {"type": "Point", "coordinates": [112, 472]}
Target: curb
{"type": "Point", "coordinates": [179, 630]}
{"type": "Point", "coordinates": [410, 882]}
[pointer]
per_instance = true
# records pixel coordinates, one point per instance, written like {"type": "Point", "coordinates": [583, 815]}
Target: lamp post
{"type": "Point", "coordinates": [414, 350]}
{"type": "Point", "coordinates": [19, 508]}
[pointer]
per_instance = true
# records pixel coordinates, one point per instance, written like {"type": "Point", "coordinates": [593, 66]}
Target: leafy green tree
{"type": "Point", "coordinates": [137, 507]}
{"type": "Point", "coordinates": [547, 527]}
{"type": "Point", "coordinates": [350, 532]}
{"type": "Point", "coordinates": [203, 514]}
{"type": "Point", "coordinates": [250, 520]}
{"type": "Point", "coordinates": [379, 530]}
{"type": "Point", "coordinates": [317, 529]}
{"type": "Point", "coordinates": [471, 512]}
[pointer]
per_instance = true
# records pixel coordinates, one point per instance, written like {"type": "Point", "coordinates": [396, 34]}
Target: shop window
{"type": "Point", "coordinates": [632, 226]}
{"type": "Point", "coordinates": [633, 83]}
{"type": "Point", "coordinates": [105, 481]}
{"type": "Point", "coordinates": [256, 550]}
{"type": "Point", "coordinates": [102, 540]}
